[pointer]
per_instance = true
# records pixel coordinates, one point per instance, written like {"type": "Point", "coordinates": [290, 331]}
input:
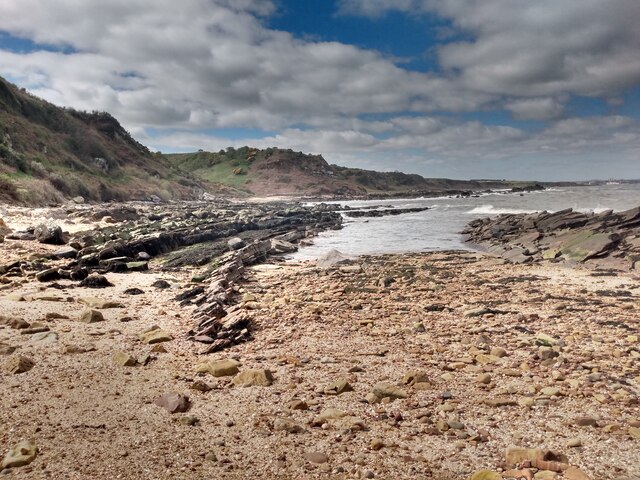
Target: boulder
{"type": "Point", "coordinates": [49, 233]}
{"type": "Point", "coordinates": [235, 243]}
{"type": "Point", "coordinates": [96, 281]}
{"type": "Point", "coordinates": [48, 275]}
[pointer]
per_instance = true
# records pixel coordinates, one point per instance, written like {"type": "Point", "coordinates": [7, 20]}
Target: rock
{"type": "Point", "coordinates": [414, 377]}
{"type": "Point", "coordinates": [189, 420]}
{"type": "Point", "coordinates": [338, 387]}
{"type": "Point", "coordinates": [173, 402]}
{"type": "Point", "coordinates": [253, 377]}
{"type": "Point", "coordinates": [19, 364]}
{"type": "Point", "coordinates": [15, 323]}
{"type": "Point", "coordinates": [517, 455]}
{"type": "Point", "coordinates": [500, 402]}
{"type": "Point", "coordinates": [585, 421]}
{"type": "Point", "coordinates": [96, 281]}
{"type": "Point", "coordinates": [316, 457]}
{"type": "Point", "coordinates": [498, 352]}
{"type": "Point", "coordinates": [587, 244]}
{"type": "Point", "coordinates": [65, 252]}
{"type": "Point", "coordinates": [6, 349]}
{"type": "Point", "coordinates": [574, 442]}
{"type": "Point", "coordinates": [99, 303]}
{"type": "Point", "coordinates": [44, 338]}
{"type": "Point", "coordinates": [326, 415]}
{"type": "Point", "coordinates": [522, 474]}
{"type": "Point", "coordinates": [477, 312]}
{"type": "Point", "coordinates": [154, 335]}
{"type": "Point", "coordinates": [201, 386]}
{"type": "Point", "coordinates": [298, 405]}
{"type": "Point", "coordinates": [573, 473]}
{"type": "Point", "coordinates": [235, 243]}
{"type": "Point", "coordinates": [4, 228]}
{"type": "Point", "coordinates": [49, 233]}
{"type": "Point", "coordinates": [89, 315]}
{"type": "Point", "coordinates": [551, 460]}
{"type": "Point", "coordinates": [161, 284]}
{"type": "Point", "coordinates": [517, 255]}
{"type": "Point", "coordinates": [545, 340]}
{"type": "Point", "coordinates": [133, 291]}
{"type": "Point", "coordinates": [386, 390]}
{"type": "Point", "coordinates": [486, 475]}
{"type": "Point", "coordinates": [484, 378]}
{"type": "Point", "coordinates": [220, 368]}
{"type": "Point", "coordinates": [141, 266]}
{"type": "Point", "coordinates": [376, 444]}
{"type": "Point", "coordinates": [48, 275]}
{"type": "Point", "coordinates": [634, 432]}
{"type": "Point", "coordinates": [287, 425]}
{"type": "Point", "coordinates": [124, 359]}
{"type": "Point", "coordinates": [22, 454]}
{"type": "Point", "coordinates": [331, 258]}
{"type": "Point", "coordinates": [551, 391]}
{"type": "Point", "coordinates": [281, 246]}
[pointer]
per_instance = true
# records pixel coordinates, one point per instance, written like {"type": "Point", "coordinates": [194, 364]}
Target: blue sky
{"type": "Point", "coordinates": [466, 89]}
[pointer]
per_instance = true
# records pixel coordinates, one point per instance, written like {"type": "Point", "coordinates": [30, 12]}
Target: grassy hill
{"type": "Point", "coordinates": [283, 172]}
{"type": "Point", "coordinates": [48, 153]}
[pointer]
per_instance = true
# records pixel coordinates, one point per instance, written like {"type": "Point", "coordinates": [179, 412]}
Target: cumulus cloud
{"type": "Point", "coordinates": [525, 48]}
{"type": "Point", "coordinates": [535, 108]}
{"type": "Point", "coordinates": [200, 65]}
{"type": "Point", "coordinates": [209, 63]}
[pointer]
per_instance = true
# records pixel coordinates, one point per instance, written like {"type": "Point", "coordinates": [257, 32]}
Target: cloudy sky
{"type": "Point", "coordinates": [515, 89]}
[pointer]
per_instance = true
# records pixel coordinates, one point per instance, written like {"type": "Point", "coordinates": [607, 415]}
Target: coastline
{"type": "Point", "coordinates": [486, 354]}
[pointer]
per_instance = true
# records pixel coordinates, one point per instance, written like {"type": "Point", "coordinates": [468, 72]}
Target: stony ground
{"type": "Point", "coordinates": [467, 356]}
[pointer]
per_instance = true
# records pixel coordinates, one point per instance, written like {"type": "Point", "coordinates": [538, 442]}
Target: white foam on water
{"type": "Point", "coordinates": [491, 210]}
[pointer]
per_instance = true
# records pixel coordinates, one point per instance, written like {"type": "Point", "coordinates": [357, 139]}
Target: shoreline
{"type": "Point", "coordinates": [408, 365]}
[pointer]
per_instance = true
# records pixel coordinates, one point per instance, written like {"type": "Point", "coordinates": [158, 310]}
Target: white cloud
{"type": "Point", "coordinates": [539, 48]}
{"type": "Point", "coordinates": [545, 108]}
{"type": "Point", "coordinates": [207, 64]}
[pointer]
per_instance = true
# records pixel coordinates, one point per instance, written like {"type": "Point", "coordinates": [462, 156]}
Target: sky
{"type": "Point", "coordinates": [515, 89]}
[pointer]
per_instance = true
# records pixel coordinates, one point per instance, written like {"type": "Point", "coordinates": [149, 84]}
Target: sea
{"type": "Point", "coordinates": [439, 227]}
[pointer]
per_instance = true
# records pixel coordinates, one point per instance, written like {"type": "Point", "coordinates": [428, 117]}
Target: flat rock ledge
{"type": "Point", "coordinates": [607, 238]}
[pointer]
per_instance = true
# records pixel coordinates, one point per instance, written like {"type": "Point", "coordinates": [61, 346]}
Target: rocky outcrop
{"type": "Point", "coordinates": [565, 235]}
{"type": "Point", "coordinates": [383, 212]}
{"type": "Point", "coordinates": [223, 239]}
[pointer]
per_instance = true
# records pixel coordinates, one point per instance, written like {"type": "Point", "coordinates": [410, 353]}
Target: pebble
{"type": "Point", "coordinates": [574, 442]}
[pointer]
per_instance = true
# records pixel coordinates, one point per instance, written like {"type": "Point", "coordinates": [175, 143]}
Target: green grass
{"type": "Point", "coordinates": [217, 167]}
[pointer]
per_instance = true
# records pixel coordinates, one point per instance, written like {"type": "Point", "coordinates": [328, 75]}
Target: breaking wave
{"type": "Point", "coordinates": [491, 210]}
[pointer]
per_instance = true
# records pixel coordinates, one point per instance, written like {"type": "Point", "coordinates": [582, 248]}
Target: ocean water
{"type": "Point", "coordinates": [439, 227]}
